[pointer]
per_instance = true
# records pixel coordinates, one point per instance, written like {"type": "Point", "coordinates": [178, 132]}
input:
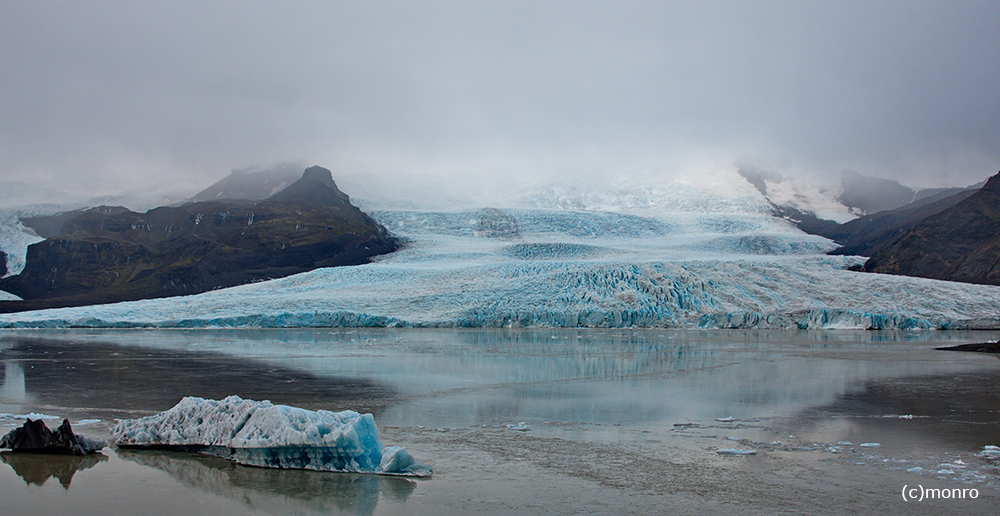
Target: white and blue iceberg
{"type": "Point", "coordinates": [259, 433]}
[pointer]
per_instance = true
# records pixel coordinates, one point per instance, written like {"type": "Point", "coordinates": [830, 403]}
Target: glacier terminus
{"type": "Point", "coordinates": [648, 253]}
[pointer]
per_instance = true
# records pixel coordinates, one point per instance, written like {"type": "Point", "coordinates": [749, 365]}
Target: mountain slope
{"type": "Point", "coordinates": [871, 194]}
{"type": "Point", "coordinates": [104, 255]}
{"type": "Point", "coordinates": [865, 236]}
{"type": "Point", "coordinates": [251, 184]}
{"type": "Point", "coordinates": [961, 243]}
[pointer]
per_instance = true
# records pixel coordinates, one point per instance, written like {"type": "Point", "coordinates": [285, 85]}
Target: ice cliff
{"type": "Point", "coordinates": [258, 433]}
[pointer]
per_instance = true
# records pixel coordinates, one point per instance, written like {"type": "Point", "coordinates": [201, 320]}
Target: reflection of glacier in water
{"type": "Point", "coordinates": [13, 390]}
{"type": "Point", "coordinates": [493, 376]}
{"type": "Point", "coordinates": [277, 491]}
{"type": "Point", "coordinates": [645, 258]}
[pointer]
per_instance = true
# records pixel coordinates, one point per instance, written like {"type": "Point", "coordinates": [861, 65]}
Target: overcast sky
{"type": "Point", "coordinates": [118, 95]}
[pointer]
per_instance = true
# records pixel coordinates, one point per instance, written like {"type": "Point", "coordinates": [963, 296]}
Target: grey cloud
{"type": "Point", "coordinates": [135, 93]}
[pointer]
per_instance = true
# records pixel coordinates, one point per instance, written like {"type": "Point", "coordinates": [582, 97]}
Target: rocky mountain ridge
{"type": "Point", "coordinates": [902, 209]}
{"type": "Point", "coordinates": [110, 254]}
{"type": "Point", "coordinates": [960, 243]}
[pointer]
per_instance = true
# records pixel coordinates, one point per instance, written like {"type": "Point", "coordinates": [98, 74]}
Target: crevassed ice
{"type": "Point", "coordinates": [259, 433]}
{"type": "Point", "coordinates": [645, 256]}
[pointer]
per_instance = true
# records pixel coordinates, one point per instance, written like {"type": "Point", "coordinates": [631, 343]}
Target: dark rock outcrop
{"type": "Point", "coordinates": [3, 264]}
{"type": "Point", "coordinates": [979, 347]}
{"type": "Point", "coordinates": [107, 255]}
{"type": "Point", "coordinates": [961, 243]}
{"type": "Point", "coordinates": [35, 437]}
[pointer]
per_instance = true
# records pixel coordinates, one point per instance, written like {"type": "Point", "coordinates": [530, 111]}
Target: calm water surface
{"type": "Point", "coordinates": [619, 421]}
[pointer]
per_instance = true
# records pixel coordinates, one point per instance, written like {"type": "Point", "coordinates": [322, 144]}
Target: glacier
{"type": "Point", "coordinates": [634, 252]}
{"type": "Point", "coordinates": [259, 433]}
{"type": "Point", "coordinates": [14, 242]}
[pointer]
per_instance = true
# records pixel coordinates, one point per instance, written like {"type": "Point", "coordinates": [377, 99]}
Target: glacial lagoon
{"type": "Point", "coordinates": [526, 421]}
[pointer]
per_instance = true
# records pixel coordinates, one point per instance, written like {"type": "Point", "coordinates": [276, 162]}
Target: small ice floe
{"type": "Point", "coordinates": [844, 443]}
{"type": "Point", "coordinates": [85, 422]}
{"type": "Point", "coordinates": [729, 419]}
{"type": "Point", "coordinates": [443, 429]}
{"type": "Point", "coordinates": [520, 427]}
{"type": "Point", "coordinates": [774, 443]}
{"type": "Point", "coordinates": [740, 439]}
{"type": "Point", "coordinates": [685, 425]}
{"type": "Point", "coordinates": [990, 452]}
{"type": "Point", "coordinates": [917, 469]}
{"type": "Point", "coordinates": [734, 451]}
{"type": "Point", "coordinates": [36, 417]}
{"type": "Point", "coordinates": [870, 445]}
{"type": "Point", "coordinates": [834, 449]}
{"type": "Point", "coordinates": [907, 416]}
{"type": "Point", "coordinates": [945, 472]}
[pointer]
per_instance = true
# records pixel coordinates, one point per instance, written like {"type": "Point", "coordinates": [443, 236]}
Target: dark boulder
{"type": "Point", "coordinates": [35, 437]}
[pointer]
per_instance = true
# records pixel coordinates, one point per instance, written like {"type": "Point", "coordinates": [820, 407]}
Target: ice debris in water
{"type": "Point", "coordinates": [734, 451]}
{"type": "Point", "coordinates": [870, 445]}
{"type": "Point", "coordinates": [990, 452]}
{"type": "Point", "coordinates": [521, 427]}
{"type": "Point", "coordinates": [258, 433]}
{"type": "Point", "coordinates": [32, 415]}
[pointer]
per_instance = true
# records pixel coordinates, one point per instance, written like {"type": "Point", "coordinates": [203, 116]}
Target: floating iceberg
{"type": "Point", "coordinates": [258, 433]}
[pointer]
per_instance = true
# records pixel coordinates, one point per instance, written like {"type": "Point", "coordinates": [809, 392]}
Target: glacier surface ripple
{"type": "Point", "coordinates": [722, 262]}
